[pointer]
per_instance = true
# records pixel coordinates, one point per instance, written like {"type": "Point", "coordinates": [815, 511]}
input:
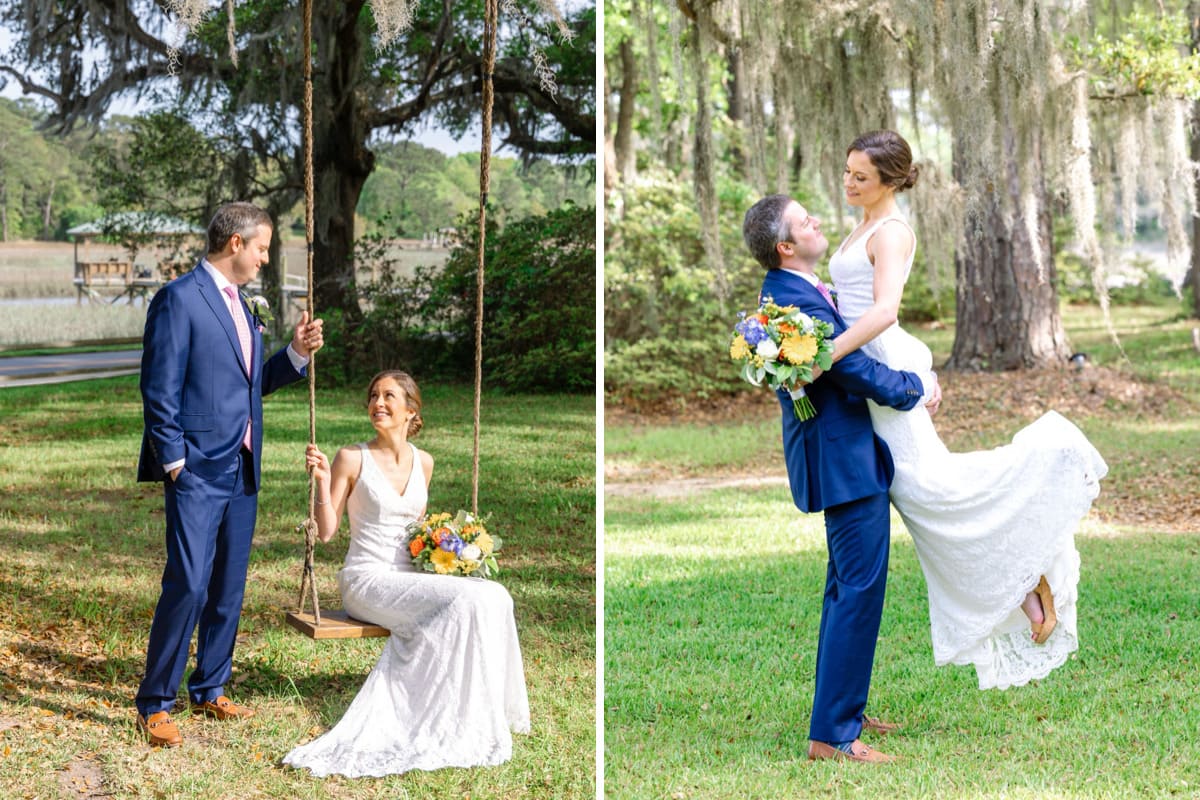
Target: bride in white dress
{"type": "Point", "coordinates": [449, 688]}
{"type": "Point", "coordinates": [989, 525]}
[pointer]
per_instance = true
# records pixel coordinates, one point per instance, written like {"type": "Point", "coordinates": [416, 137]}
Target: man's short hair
{"type": "Point", "coordinates": [240, 218]}
{"type": "Point", "coordinates": [764, 227]}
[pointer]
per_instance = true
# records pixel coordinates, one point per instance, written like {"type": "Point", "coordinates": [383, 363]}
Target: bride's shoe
{"type": "Point", "coordinates": [1042, 632]}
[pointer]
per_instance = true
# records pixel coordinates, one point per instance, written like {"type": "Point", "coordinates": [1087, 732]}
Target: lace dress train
{"type": "Point", "coordinates": [987, 524]}
{"type": "Point", "coordinates": [449, 688]}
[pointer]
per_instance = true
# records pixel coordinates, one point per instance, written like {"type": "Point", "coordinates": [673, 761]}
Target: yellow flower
{"type": "Point", "coordinates": [443, 561]}
{"type": "Point", "coordinates": [799, 349]}
{"type": "Point", "coordinates": [739, 349]}
{"type": "Point", "coordinates": [484, 542]}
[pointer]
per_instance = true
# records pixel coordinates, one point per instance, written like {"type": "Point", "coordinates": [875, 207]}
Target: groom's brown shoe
{"type": "Point", "coordinates": [160, 730]}
{"type": "Point", "coordinates": [879, 726]}
{"type": "Point", "coordinates": [819, 751]}
{"type": "Point", "coordinates": [223, 708]}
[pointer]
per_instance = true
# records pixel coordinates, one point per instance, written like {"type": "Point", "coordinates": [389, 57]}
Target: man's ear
{"type": "Point", "coordinates": [780, 249]}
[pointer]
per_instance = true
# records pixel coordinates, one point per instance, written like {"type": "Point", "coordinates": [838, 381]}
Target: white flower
{"type": "Point", "coordinates": [767, 349]}
{"type": "Point", "coordinates": [259, 303]}
{"type": "Point", "coordinates": [471, 553]}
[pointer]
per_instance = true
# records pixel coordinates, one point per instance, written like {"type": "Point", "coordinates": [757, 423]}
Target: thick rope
{"type": "Point", "coordinates": [308, 582]}
{"type": "Point", "coordinates": [492, 12]}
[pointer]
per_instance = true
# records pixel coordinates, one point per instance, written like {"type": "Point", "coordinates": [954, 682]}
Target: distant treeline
{"type": "Point", "coordinates": [49, 183]}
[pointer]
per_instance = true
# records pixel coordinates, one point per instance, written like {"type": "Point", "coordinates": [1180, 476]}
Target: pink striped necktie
{"type": "Point", "coordinates": [243, 332]}
{"type": "Point", "coordinates": [824, 290]}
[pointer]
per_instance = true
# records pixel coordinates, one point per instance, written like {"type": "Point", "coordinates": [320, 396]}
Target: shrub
{"type": "Point", "coordinates": [662, 370]}
{"type": "Point", "coordinates": [539, 315]}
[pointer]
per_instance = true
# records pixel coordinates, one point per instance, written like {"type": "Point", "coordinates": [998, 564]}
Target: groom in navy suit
{"type": "Point", "coordinates": [837, 464]}
{"type": "Point", "coordinates": [204, 375]}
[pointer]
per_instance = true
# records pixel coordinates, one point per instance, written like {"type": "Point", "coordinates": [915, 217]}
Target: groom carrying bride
{"type": "Point", "coordinates": [837, 464]}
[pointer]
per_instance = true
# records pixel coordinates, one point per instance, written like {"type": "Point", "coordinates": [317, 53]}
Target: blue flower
{"type": "Point", "coordinates": [452, 543]}
{"type": "Point", "coordinates": [751, 330]}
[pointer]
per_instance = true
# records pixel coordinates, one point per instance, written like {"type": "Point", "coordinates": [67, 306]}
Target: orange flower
{"type": "Point", "coordinates": [415, 546]}
{"type": "Point", "coordinates": [438, 534]}
{"type": "Point", "coordinates": [786, 327]}
{"type": "Point", "coordinates": [762, 318]}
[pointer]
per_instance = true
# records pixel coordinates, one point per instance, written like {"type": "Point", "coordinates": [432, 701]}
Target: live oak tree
{"type": "Point", "coordinates": [80, 56]}
{"type": "Point", "coordinates": [1038, 109]}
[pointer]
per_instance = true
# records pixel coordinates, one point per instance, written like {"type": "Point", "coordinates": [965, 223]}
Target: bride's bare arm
{"type": "Point", "coordinates": [889, 248]}
{"type": "Point", "coordinates": [334, 484]}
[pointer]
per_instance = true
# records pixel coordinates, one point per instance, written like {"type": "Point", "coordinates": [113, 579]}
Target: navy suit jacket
{"type": "Point", "coordinates": [836, 457]}
{"type": "Point", "coordinates": [196, 395]}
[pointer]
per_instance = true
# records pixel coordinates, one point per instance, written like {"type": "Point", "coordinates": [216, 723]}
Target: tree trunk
{"type": "Point", "coordinates": [736, 108]}
{"type": "Point", "coordinates": [4, 211]}
{"type": "Point", "coordinates": [610, 147]}
{"type": "Point", "coordinates": [46, 210]}
{"type": "Point", "coordinates": [1193, 276]}
{"type": "Point", "coordinates": [623, 141]}
{"type": "Point", "coordinates": [341, 160]}
{"type": "Point", "coordinates": [705, 180]}
{"type": "Point", "coordinates": [1007, 312]}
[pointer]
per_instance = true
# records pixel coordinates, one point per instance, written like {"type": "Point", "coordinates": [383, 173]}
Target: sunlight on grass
{"type": "Point", "coordinates": [711, 624]}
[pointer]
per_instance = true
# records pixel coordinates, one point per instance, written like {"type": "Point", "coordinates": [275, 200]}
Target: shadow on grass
{"type": "Point", "coordinates": [82, 550]}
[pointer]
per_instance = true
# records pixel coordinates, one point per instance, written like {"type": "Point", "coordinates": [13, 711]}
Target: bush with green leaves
{"type": "Point", "coordinates": [666, 332]}
{"type": "Point", "coordinates": [539, 307]}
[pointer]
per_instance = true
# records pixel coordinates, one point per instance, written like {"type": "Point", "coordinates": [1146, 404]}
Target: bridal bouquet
{"type": "Point", "coordinates": [453, 545]}
{"type": "Point", "coordinates": [782, 344]}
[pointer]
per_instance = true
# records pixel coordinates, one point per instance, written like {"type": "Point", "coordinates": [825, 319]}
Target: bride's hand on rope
{"type": "Point", "coordinates": [318, 466]}
{"type": "Point", "coordinates": [308, 337]}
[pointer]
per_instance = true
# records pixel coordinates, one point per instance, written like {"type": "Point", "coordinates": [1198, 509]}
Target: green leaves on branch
{"type": "Point", "coordinates": [1152, 57]}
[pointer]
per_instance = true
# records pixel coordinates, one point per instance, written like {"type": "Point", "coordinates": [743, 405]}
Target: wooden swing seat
{"type": "Point", "coordinates": [335, 624]}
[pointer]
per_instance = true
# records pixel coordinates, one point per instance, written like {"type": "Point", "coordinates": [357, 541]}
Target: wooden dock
{"type": "Point", "coordinates": [112, 281]}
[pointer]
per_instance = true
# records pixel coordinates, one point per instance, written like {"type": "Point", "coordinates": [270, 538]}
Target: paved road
{"type": "Point", "coordinates": [32, 370]}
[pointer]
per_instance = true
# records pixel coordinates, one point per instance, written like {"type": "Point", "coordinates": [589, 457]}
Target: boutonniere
{"type": "Point", "coordinates": [261, 310]}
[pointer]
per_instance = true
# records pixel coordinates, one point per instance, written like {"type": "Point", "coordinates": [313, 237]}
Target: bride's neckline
{"type": "Point", "coordinates": [387, 478]}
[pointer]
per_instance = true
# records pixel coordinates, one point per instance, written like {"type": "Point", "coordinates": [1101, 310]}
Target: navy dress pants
{"type": "Point", "coordinates": [210, 525]}
{"type": "Point", "coordinates": [858, 537]}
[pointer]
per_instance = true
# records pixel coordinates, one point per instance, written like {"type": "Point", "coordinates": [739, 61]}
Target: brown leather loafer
{"type": "Point", "coordinates": [160, 730]}
{"type": "Point", "coordinates": [879, 726]}
{"type": "Point", "coordinates": [223, 708]}
{"type": "Point", "coordinates": [819, 751]}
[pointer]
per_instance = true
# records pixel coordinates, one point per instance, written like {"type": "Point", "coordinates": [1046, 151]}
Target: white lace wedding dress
{"type": "Point", "coordinates": [449, 688]}
{"type": "Point", "coordinates": [985, 524]}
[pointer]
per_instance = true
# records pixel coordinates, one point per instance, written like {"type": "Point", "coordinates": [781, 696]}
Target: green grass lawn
{"type": "Point", "coordinates": [712, 600]}
{"type": "Point", "coordinates": [81, 556]}
{"type": "Point", "coordinates": [711, 610]}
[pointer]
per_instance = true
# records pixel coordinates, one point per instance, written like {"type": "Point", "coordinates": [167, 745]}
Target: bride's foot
{"type": "Point", "coordinates": [1039, 607]}
{"type": "Point", "coordinates": [1032, 607]}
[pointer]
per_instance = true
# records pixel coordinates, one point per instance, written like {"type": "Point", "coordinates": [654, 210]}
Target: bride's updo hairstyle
{"type": "Point", "coordinates": [412, 395]}
{"type": "Point", "coordinates": [891, 155]}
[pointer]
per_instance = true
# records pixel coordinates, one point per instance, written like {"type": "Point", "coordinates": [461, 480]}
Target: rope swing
{"type": "Point", "coordinates": [338, 624]}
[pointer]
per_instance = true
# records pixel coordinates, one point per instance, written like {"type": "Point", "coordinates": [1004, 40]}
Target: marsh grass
{"type": "Point", "coordinates": [40, 323]}
{"type": "Point", "coordinates": [81, 556]}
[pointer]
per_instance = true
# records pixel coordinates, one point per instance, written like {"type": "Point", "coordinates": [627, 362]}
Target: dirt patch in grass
{"type": "Point", "coordinates": [82, 777]}
{"type": "Point", "coordinates": [980, 410]}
